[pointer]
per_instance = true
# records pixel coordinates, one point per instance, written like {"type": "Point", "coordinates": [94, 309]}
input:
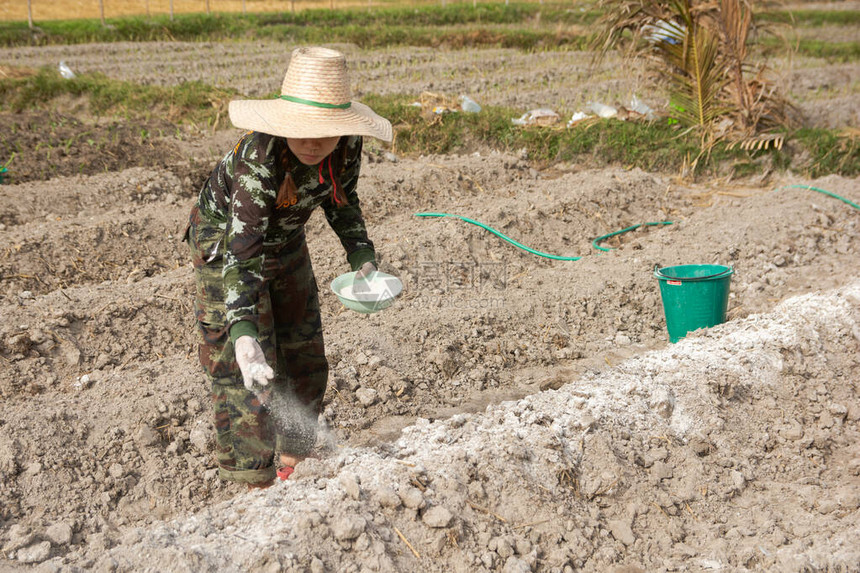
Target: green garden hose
{"type": "Point", "coordinates": [532, 251]}
{"type": "Point", "coordinates": [500, 235]}
{"type": "Point", "coordinates": [828, 193]}
{"type": "Point", "coordinates": [595, 242]}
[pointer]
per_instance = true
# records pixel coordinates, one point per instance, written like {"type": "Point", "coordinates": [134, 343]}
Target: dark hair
{"type": "Point", "coordinates": [288, 192]}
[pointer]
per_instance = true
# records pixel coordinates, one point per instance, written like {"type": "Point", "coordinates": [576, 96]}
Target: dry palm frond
{"type": "Point", "coordinates": [698, 74]}
{"type": "Point", "coordinates": [701, 48]}
{"type": "Point", "coordinates": [759, 142]}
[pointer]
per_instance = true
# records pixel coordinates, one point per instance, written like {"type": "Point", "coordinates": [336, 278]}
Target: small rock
{"type": "Point", "coordinates": [366, 396]}
{"type": "Point", "coordinates": [622, 531]}
{"type": "Point", "coordinates": [663, 402]}
{"type": "Point", "coordinates": [33, 469]}
{"type": "Point", "coordinates": [102, 360]}
{"type": "Point", "coordinates": [503, 546]}
{"type": "Point", "coordinates": [146, 436]}
{"type": "Point", "coordinates": [388, 497]}
{"type": "Point", "coordinates": [71, 354]}
{"type": "Point", "coordinates": [35, 553]}
{"type": "Point", "coordinates": [840, 411]}
{"type": "Point", "coordinates": [19, 536]}
{"type": "Point", "coordinates": [350, 484]}
{"type": "Point", "coordinates": [476, 490]}
{"type": "Point", "coordinates": [488, 558]}
{"type": "Point", "coordinates": [793, 432]}
{"type": "Point", "coordinates": [828, 506]}
{"type": "Point", "coordinates": [176, 447]}
{"type": "Point", "coordinates": [116, 470]}
{"type": "Point", "coordinates": [622, 339]}
{"type": "Point", "coordinates": [437, 516]}
{"type": "Point", "coordinates": [661, 471]}
{"type": "Point", "coordinates": [738, 480]}
{"type": "Point", "coordinates": [587, 420]}
{"type": "Point", "coordinates": [412, 498]}
{"type": "Point", "coordinates": [200, 437]}
{"type": "Point", "coordinates": [348, 528]}
{"type": "Point", "coordinates": [516, 565]}
{"type": "Point", "coordinates": [522, 546]}
{"type": "Point", "coordinates": [59, 533]}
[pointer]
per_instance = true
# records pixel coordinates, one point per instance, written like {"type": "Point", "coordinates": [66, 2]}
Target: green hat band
{"type": "Point", "coordinates": [316, 103]}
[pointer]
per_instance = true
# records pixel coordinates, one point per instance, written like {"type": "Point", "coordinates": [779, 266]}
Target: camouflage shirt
{"type": "Point", "coordinates": [239, 203]}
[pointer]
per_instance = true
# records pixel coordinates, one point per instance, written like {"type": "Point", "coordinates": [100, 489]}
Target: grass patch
{"type": "Point", "coordinates": [832, 151]}
{"type": "Point", "coordinates": [533, 26]}
{"type": "Point", "coordinates": [830, 51]}
{"type": "Point", "coordinates": [521, 26]}
{"type": "Point", "coordinates": [654, 146]}
{"type": "Point", "coordinates": [190, 101]}
{"type": "Point", "coordinates": [811, 18]}
{"type": "Point", "coordinates": [833, 52]}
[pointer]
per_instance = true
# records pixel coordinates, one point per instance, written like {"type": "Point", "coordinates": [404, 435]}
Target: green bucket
{"type": "Point", "coordinates": [3, 171]}
{"type": "Point", "coordinates": [694, 296]}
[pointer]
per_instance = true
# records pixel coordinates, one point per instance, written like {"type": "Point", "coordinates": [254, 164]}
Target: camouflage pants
{"type": "Point", "coordinates": [251, 428]}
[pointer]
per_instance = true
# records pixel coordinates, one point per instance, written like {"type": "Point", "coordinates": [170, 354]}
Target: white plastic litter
{"type": "Point", "coordinates": [540, 116]}
{"type": "Point", "coordinates": [663, 31]}
{"type": "Point", "coordinates": [66, 71]}
{"type": "Point", "coordinates": [602, 110]}
{"type": "Point", "coordinates": [578, 116]}
{"type": "Point", "coordinates": [640, 107]}
{"type": "Point", "coordinates": [469, 105]}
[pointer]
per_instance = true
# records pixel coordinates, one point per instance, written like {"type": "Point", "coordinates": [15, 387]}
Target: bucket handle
{"type": "Point", "coordinates": [660, 275]}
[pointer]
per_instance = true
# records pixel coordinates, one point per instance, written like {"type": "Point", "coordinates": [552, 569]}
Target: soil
{"type": "Point", "coordinates": [509, 413]}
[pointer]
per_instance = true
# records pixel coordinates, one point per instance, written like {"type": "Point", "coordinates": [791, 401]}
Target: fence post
{"type": "Point", "coordinates": [171, 10]}
{"type": "Point", "coordinates": [207, 7]}
{"type": "Point", "coordinates": [102, 11]}
{"type": "Point", "coordinates": [30, 13]}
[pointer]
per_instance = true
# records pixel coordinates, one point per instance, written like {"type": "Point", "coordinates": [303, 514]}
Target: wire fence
{"type": "Point", "coordinates": [35, 10]}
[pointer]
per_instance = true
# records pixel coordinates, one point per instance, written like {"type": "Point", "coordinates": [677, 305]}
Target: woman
{"type": "Point", "coordinates": [256, 298]}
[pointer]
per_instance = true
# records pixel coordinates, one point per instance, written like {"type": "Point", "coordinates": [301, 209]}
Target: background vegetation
{"type": "Point", "coordinates": [525, 26]}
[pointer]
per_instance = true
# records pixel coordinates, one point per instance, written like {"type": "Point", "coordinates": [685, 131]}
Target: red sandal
{"type": "Point", "coordinates": [285, 472]}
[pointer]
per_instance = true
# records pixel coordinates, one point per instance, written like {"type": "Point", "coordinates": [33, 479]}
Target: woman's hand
{"type": "Point", "coordinates": [365, 270]}
{"type": "Point", "coordinates": [252, 362]}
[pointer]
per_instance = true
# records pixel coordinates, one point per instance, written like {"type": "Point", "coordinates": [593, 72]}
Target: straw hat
{"type": "Point", "coordinates": [315, 101]}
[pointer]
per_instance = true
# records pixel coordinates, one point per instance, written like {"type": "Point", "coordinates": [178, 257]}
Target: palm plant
{"type": "Point", "coordinates": [701, 48]}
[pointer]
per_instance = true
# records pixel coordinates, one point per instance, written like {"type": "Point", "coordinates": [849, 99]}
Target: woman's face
{"type": "Point", "coordinates": [312, 150]}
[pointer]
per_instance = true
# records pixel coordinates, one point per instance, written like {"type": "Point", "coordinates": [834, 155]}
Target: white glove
{"type": "Point", "coordinates": [365, 270]}
{"type": "Point", "coordinates": [252, 362]}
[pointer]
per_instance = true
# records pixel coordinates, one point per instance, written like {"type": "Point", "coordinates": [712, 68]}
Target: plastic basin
{"type": "Point", "coordinates": [373, 293]}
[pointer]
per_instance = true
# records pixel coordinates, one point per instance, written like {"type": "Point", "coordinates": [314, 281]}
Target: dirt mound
{"type": "Point", "coordinates": [653, 465]}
